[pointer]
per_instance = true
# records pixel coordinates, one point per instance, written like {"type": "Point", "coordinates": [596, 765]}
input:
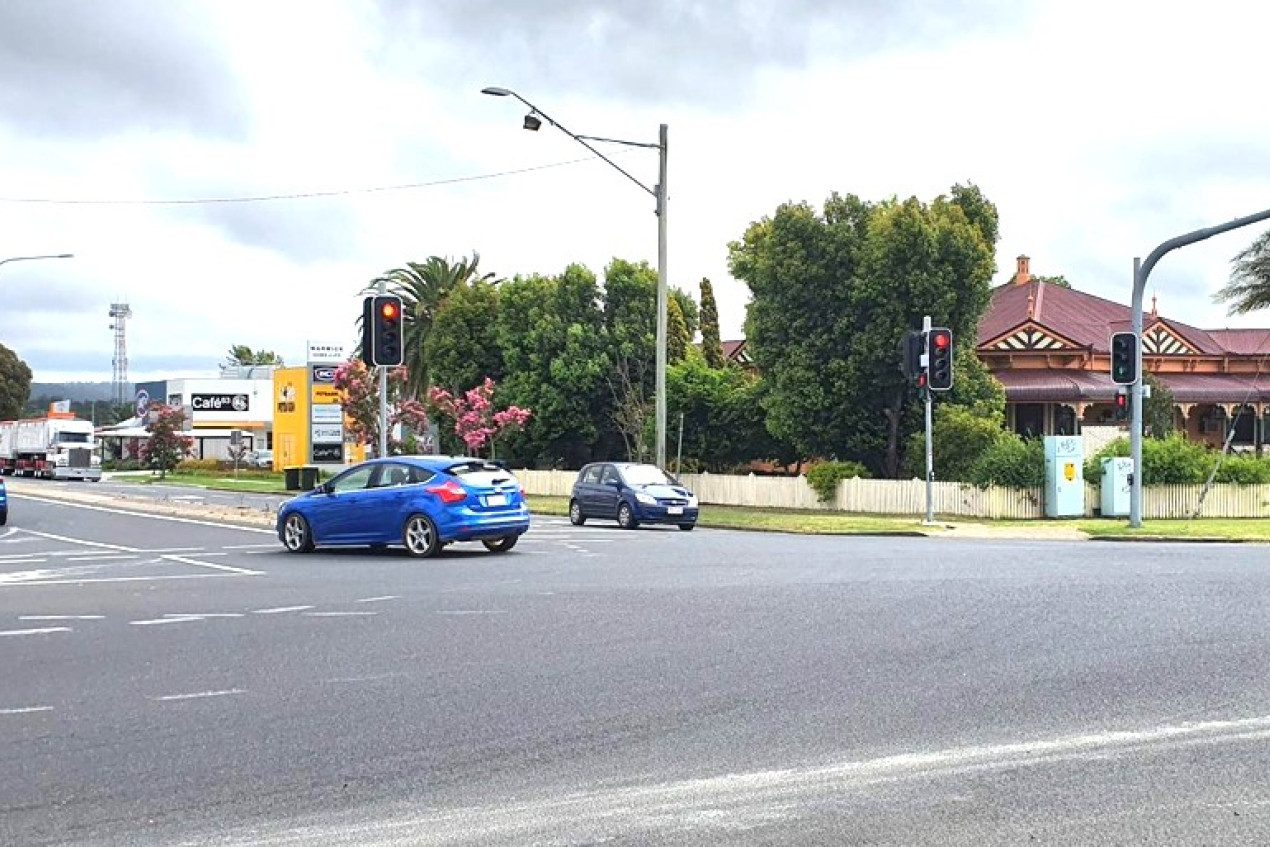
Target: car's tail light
{"type": "Point", "coordinates": [449, 491]}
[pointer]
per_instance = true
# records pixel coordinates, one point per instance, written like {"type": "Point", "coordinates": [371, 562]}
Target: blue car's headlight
{"type": "Point", "coordinates": [646, 499]}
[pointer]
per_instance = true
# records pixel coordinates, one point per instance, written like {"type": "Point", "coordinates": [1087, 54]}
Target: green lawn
{"type": "Point", "coordinates": [1217, 529]}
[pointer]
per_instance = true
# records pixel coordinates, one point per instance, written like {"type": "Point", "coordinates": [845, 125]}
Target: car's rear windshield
{"type": "Point", "coordinates": [481, 473]}
{"type": "Point", "coordinates": [646, 475]}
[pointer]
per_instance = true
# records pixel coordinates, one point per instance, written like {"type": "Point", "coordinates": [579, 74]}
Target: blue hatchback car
{"type": "Point", "coordinates": [419, 502]}
{"type": "Point", "coordinates": [631, 494]}
{"type": "Point", "coordinates": [4, 503]}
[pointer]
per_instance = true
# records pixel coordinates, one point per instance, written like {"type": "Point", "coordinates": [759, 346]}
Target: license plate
{"type": "Point", "coordinates": [496, 500]}
{"type": "Point", "coordinates": [674, 510]}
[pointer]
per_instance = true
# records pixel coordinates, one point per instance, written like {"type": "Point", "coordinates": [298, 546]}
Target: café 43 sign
{"type": "Point", "coordinates": [220, 402]}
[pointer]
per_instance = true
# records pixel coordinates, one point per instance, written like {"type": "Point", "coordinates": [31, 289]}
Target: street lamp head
{"type": "Point", "coordinates": [495, 91]}
{"type": "Point", "coordinates": [532, 122]}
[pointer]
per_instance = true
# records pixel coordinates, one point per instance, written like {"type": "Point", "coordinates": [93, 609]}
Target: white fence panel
{"type": "Point", "coordinates": [951, 499]}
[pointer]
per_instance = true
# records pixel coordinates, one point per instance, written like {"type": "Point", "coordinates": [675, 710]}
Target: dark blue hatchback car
{"type": "Point", "coordinates": [631, 494]}
{"type": "Point", "coordinates": [421, 503]}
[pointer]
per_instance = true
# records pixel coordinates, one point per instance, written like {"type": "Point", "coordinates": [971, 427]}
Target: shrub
{"type": "Point", "coordinates": [824, 477]}
{"type": "Point", "coordinates": [1244, 470]}
{"type": "Point", "coordinates": [1012, 462]}
{"type": "Point", "coordinates": [960, 435]}
{"type": "Point", "coordinates": [198, 465]}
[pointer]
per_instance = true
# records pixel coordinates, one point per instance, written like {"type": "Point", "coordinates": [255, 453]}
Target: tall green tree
{"type": "Point", "coordinates": [241, 354]}
{"type": "Point", "coordinates": [630, 342]}
{"type": "Point", "coordinates": [677, 337]}
{"type": "Point", "coordinates": [15, 384]}
{"type": "Point", "coordinates": [1249, 286]}
{"type": "Point", "coordinates": [721, 413]}
{"type": "Point", "coordinates": [711, 342]}
{"type": "Point", "coordinates": [551, 331]}
{"type": "Point", "coordinates": [463, 347]}
{"type": "Point", "coordinates": [423, 287]}
{"type": "Point", "coordinates": [1158, 417]}
{"type": "Point", "coordinates": [833, 294]}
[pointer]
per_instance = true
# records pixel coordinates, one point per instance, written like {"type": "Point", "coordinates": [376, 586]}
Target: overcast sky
{"type": "Point", "coordinates": [1098, 128]}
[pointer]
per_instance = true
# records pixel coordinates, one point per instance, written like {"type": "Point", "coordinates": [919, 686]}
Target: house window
{"type": "Point", "coordinates": [1029, 419]}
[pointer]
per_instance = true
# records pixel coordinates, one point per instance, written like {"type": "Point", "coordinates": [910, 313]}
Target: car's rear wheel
{"type": "Point", "coordinates": [687, 527]}
{"type": "Point", "coordinates": [420, 536]}
{"type": "Point", "coordinates": [501, 545]}
{"type": "Point", "coordinates": [4, 516]}
{"type": "Point", "coordinates": [575, 513]}
{"type": "Point", "coordinates": [297, 535]}
{"type": "Point", "coordinates": [626, 517]}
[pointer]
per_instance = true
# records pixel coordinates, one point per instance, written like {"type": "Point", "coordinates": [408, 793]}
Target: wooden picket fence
{"type": "Point", "coordinates": [951, 499]}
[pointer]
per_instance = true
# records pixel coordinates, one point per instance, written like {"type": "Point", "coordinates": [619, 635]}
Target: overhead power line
{"type": "Point", "coordinates": [302, 195]}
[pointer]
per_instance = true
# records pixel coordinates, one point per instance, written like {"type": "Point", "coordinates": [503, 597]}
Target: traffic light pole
{"type": "Point", "coordinates": [1141, 271]}
{"type": "Point", "coordinates": [383, 393]}
{"type": "Point", "coordinates": [928, 396]}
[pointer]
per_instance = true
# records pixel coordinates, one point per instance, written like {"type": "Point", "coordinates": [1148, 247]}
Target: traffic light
{"type": "Point", "coordinates": [1122, 405]}
{"type": "Point", "coordinates": [911, 348]}
{"type": "Point", "coordinates": [1124, 358]}
{"type": "Point", "coordinates": [939, 352]}
{"type": "Point", "coordinates": [381, 331]}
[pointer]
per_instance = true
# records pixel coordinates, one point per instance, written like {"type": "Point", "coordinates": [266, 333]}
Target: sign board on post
{"type": "Point", "coordinates": [320, 352]}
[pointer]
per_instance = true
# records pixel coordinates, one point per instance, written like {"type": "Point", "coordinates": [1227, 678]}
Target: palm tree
{"type": "Point", "coordinates": [241, 354]}
{"type": "Point", "coordinates": [1249, 287]}
{"type": "Point", "coordinates": [422, 288]}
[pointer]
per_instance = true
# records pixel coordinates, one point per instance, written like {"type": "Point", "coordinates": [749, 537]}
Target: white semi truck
{"type": "Point", "coordinates": [59, 446]}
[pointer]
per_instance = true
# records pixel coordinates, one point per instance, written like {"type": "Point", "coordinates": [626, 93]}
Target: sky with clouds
{"type": "Point", "coordinates": [1098, 128]}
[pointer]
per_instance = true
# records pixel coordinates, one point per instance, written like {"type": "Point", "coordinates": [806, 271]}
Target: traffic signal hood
{"type": "Point", "coordinates": [939, 352]}
{"type": "Point", "coordinates": [1124, 358]}
{"type": "Point", "coordinates": [382, 331]}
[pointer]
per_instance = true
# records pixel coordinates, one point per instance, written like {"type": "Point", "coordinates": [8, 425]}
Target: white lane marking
{"type": "Point", "coordinates": [42, 631]}
{"type": "Point", "coordinates": [83, 542]}
{"type": "Point", "coordinates": [752, 798]}
{"type": "Point", "coordinates": [227, 568]}
{"type": "Point", "coordinates": [249, 546]}
{"type": "Point", "coordinates": [100, 557]}
{"type": "Point", "coordinates": [201, 615]}
{"type": "Point", "coordinates": [338, 614]}
{"type": "Point", "coordinates": [26, 710]}
{"type": "Point", "coordinates": [79, 581]}
{"type": "Point", "coordinates": [175, 550]}
{"type": "Point", "coordinates": [378, 677]}
{"type": "Point", "coordinates": [161, 621]}
{"type": "Point", "coordinates": [378, 599]}
{"type": "Point", "coordinates": [280, 609]}
{"type": "Point", "coordinates": [198, 695]}
{"type": "Point", "coordinates": [8, 532]}
{"type": "Point", "coordinates": [130, 514]}
{"type": "Point", "coordinates": [61, 617]}
{"type": "Point", "coordinates": [473, 612]}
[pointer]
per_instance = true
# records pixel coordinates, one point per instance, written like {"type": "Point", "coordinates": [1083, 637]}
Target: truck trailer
{"type": "Point", "coordinates": [58, 446]}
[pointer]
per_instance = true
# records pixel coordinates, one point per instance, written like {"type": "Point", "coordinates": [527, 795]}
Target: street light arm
{"type": "Point", "coordinates": [1192, 237]}
{"type": "Point", "coordinates": [503, 92]}
{"type": "Point", "coordinates": [33, 258]}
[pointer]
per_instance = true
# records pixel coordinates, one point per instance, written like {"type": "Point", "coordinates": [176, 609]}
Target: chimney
{"type": "Point", "coordinates": [1024, 273]}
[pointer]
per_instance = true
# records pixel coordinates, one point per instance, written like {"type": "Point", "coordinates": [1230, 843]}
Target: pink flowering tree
{"type": "Point", "coordinates": [476, 421]}
{"type": "Point", "coordinates": [359, 398]}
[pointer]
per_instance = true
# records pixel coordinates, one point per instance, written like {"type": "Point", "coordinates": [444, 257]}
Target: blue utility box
{"type": "Point", "coordinates": [1064, 494]}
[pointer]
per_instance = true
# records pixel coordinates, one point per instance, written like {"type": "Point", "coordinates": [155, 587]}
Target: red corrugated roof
{"type": "Point", "coordinates": [1217, 388]}
{"type": "Point", "coordinates": [1089, 320]}
{"type": "Point", "coordinates": [1054, 385]}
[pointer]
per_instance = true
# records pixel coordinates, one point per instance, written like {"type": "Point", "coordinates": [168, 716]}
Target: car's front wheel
{"type": "Point", "coordinates": [420, 536]}
{"type": "Point", "coordinates": [297, 535]}
{"type": "Point", "coordinates": [626, 517]}
{"type": "Point", "coordinates": [687, 527]}
{"type": "Point", "coordinates": [575, 513]}
{"type": "Point", "coordinates": [501, 545]}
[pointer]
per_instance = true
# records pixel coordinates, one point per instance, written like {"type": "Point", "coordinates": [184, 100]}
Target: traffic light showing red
{"type": "Point", "coordinates": [382, 331]}
{"type": "Point", "coordinates": [939, 367]}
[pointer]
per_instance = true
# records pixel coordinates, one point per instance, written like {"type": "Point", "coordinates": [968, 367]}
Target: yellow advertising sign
{"type": "Point", "coordinates": [323, 394]}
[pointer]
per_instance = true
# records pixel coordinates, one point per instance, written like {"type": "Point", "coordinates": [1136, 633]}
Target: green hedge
{"type": "Point", "coordinates": [824, 477]}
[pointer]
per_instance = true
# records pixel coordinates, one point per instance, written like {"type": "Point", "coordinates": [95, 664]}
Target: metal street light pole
{"type": "Point", "coordinates": [34, 258]}
{"type": "Point", "coordinates": [1142, 270]}
{"type": "Point", "coordinates": [659, 194]}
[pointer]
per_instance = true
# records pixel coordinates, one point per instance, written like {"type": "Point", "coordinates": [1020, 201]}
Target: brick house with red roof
{"type": "Point", "coordinates": [1049, 346]}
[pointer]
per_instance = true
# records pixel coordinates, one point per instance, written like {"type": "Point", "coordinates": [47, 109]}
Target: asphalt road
{"type": "Point", "coordinates": [174, 682]}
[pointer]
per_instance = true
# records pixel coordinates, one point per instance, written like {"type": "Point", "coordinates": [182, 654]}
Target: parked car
{"type": "Point", "coordinates": [631, 494]}
{"type": "Point", "coordinates": [4, 503]}
{"type": "Point", "coordinates": [419, 502]}
{"type": "Point", "coordinates": [261, 459]}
